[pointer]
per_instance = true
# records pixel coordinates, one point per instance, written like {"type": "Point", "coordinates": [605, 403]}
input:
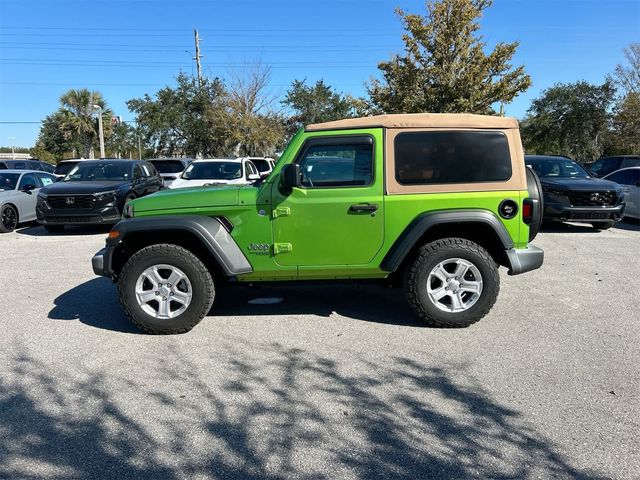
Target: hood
{"type": "Point", "coordinates": [182, 183]}
{"type": "Point", "coordinates": [77, 188]}
{"type": "Point", "coordinates": [188, 198]}
{"type": "Point", "coordinates": [579, 184]}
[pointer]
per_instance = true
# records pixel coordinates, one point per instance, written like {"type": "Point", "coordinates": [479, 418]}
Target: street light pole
{"type": "Point", "coordinates": [13, 152]}
{"type": "Point", "coordinates": [100, 130]}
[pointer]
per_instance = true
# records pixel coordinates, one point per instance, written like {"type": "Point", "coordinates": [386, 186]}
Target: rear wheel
{"type": "Point", "coordinates": [452, 282]}
{"type": "Point", "coordinates": [603, 225]}
{"type": "Point", "coordinates": [8, 218]}
{"type": "Point", "coordinates": [165, 289]}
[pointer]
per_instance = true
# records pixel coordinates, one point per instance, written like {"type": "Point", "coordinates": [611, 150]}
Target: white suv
{"type": "Point", "coordinates": [217, 171]}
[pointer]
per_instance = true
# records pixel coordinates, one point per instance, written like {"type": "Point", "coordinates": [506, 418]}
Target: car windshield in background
{"type": "Point", "coordinates": [64, 168]}
{"type": "Point", "coordinates": [110, 171]}
{"type": "Point", "coordinates": [213, 171]}
{"type": "Point", "coordinates": [168, 166]}
{"type": "Point", "coordinates": [556, 167]}
{"type": "Point", "coordinates": [8, 181]}
{"type": "Point", "coordinates": [261, 165]}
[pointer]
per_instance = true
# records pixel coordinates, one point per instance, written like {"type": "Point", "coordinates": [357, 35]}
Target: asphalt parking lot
{"type": "Point", "coordinates": [338, 382]}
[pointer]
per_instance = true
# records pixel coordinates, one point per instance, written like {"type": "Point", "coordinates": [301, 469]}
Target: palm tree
{"type": "Point", "coordinates": [78, 113]}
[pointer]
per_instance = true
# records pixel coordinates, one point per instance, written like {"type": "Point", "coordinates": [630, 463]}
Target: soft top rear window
{"type": "Point", "coordinates": [437, 157]}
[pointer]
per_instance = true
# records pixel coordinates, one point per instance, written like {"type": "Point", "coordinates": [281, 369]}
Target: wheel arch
{"type": "Point", "coordinates": [479, 226]}
{"type": "Point", "coordinates": [206, 237]}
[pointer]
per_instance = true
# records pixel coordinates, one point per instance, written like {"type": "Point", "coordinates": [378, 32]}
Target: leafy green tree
{"type": "Point", "coordinates": [318, 103]}
{"type": "Point", "coordinates": [444, 67]}
{"type": "Point", "coordinates": [184, 120]}
{"type": "Point", "coordinates": [570, 119]}
{"type": "Point", "coordinates": [122, 141]}
{"type": "Point", "coordinates": [625, 135]}
{"type": "Point", "coordinates": [57, 137]}
{"type": "Point", "coordinates": [78, 117]}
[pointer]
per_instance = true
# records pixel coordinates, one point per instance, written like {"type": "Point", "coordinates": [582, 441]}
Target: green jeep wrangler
{"type": "Point", "coordinates": [433, 201]}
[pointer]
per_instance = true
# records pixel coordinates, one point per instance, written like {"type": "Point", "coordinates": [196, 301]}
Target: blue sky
{"type": "Point", "coordinates": [128, 48]}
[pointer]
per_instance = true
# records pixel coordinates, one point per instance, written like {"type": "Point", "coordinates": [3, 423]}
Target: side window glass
{"type": "Point", "coordinates": [439, 157]}
{"type": "Point", "coordinates": [137, 172]}
{"type": "Point", "coordinates": [341, 165]}
{"type": "Point", "coordinates": [46, 180]}
{"type": "Point", "coordinates": [146, 171]}
{"type": "Point", "coordinates": [28, 179]}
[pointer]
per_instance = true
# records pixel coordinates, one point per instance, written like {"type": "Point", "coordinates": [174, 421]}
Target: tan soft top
{"type": "Point", "coordinates": [419, 120]}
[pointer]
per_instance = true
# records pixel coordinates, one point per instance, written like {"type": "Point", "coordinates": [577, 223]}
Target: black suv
{"type": "Point", "coordinates": [604, 166]}
{"type": "Point", "coordinates": [95, 192]}
{"type": "Point", "coordinates": [572, 195]}
{"type": "Point", "coordinates": [30, 164]}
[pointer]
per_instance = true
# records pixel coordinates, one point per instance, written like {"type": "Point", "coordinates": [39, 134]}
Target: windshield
{"type": "Point", "coordinates": [64, 168]}
{"type": "Point", "coordinates": [556, 167]}
{"type": "Point", "coordinates": [8, 181]}
{"type": "Point", "coordinates": [261, 165]}
{"type": "Point", "coordinates": [110, 171]}
{"type": "Point", "coordinates": [213, 171]}
{"type": "Point", "coordinates": [168, 166]}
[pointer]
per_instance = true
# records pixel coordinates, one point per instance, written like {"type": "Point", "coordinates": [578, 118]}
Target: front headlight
{"type": "Point", "coordinates": [547, 189]}
{"type": "Point", "coordinates": [110, 195]}
{"type": "Point", "coordinates": [42, 195]}
{"type": "Point", "coordinates": [128, 211]}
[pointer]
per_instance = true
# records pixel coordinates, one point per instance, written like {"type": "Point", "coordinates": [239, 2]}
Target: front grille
{"type": "Point", "coordinates": [592, 199]}
{"type": "Point", "coordinates": [71, 201]}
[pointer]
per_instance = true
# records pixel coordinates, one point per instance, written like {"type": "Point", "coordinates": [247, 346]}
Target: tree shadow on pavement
{"type": "Point", "coordinates": [94, 303]}
{"type": "Point", "coordinates": [256, 410]}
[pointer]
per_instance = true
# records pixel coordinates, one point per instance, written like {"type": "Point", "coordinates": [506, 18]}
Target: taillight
{"type": "Point", "coordinates": [527, 210]}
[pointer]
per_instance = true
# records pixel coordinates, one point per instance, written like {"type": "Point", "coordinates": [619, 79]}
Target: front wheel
{"type": "Point", "coordinates": [452, 282]}
{"type": "Point", "coordinates": [165, 289]}
{"type": "Point", "coordinates": [603, 225]}
{"type": "Point", "coordinates": [8, 219]}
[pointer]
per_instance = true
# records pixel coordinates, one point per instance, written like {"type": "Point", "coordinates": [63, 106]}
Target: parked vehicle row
{"type": "Point", "coordinates": [218, 171]}
{"type": "Point", "coordinates": [18, 193]}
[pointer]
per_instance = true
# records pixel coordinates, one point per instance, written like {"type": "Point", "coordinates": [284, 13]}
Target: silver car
{"type": "Point", "coordinates": [18, 196]}
{"type": "Point", "coordinates": [629, 178]}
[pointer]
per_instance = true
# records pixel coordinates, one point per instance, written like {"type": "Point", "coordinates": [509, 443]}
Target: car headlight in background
{"type": "Point", "coordinates": [42, 195]}
{"type": "Point", "coordinates": [547, 189]}
{"type": "Point", "coordinates": [109, 196]}
{"type": "Point", "coordinates": [128, 211]}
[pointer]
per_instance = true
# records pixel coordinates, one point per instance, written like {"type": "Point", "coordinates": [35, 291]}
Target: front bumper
{"type": "Point", "coordinates": [566, 213]}
{"type": "Point", "coordinates": [523, 260]}
{"type": "Point", "coordinates": [101, 262]}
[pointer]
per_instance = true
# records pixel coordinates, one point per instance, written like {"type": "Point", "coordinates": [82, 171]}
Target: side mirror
{"type": "Point", "coordinates": [291, 176]}
{"type": "Point", "coordinates": [253, 177]}
{"type": "Point", "coordinates": [28, 188]}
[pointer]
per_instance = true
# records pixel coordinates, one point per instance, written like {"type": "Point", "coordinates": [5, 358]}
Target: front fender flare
{"type": "Point", "coordinates": [208, 230]}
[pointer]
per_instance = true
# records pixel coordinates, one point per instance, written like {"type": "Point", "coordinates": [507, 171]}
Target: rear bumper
{"type": "Point", "coordinates": [523, 260]}
{"type": "Point", "coordinates": [566, 213]}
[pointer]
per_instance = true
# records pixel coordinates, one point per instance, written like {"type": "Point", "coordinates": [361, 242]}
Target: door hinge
{"type": "Point", "coordinates": [282, 248]}
{"type": "Point", "coordinates": [281, 212]}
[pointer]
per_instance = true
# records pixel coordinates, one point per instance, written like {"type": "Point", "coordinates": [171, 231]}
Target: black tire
{"type": "Point", "coordinates": [603, 225]}
{"type": "Point", "coordinates": [534, 188]}
{"type": "Point", "coordinates": [54, 228]}
{"type": "Point", "coordinates": [8, 218]}
{"type": "Point", "coordinates": [428, 257]}
{"type": "Point", "coordinates": [203, 289]}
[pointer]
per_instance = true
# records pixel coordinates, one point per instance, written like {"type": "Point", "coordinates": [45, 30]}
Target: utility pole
{"type": "Point", "coordinates": [197, 58]}
{"type": "Point", "coordinates": [100, 129]}
{"type": "Point", "coordinates": [13, 152]}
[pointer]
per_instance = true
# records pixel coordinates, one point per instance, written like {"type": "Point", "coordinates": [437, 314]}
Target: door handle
{"type": "Point", "coordinates": [363, 208]}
